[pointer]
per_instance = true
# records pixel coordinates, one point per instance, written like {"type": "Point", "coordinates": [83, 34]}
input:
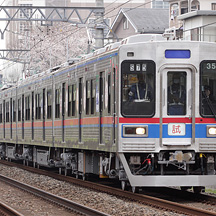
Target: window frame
{"type": "Point", "coordinates": [153, 65]}
{"type": "Point", "coordinates": [200, 89]}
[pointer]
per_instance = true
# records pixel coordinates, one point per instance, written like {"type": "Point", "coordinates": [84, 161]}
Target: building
{"type": "Point", "coordinates": [196, 19]}
{"type": "Point", "coordinates": [131, 21]}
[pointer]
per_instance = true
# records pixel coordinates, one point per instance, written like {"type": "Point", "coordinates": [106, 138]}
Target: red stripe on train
{"type": "Point", "coordinates": [139, 120]}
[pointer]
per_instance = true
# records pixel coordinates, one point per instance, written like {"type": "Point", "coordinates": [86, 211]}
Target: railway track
{"type": "Point", "coordinates": [68, 204]}
{"type": "Point", "coordinates": [149, 200]}
{"type": "Point", "coordinates": [6, 210]}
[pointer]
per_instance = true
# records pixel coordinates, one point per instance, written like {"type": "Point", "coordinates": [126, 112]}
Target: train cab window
{"type": "Point", "coordinates": [1, 113]}
{"type": "Point", "coordinates": [93, 94]}
{"type": "Point", "coordinates": [176, 96]}
{"type": "Point", "coordinates": [88, 96]}
{"type": "Point", "coordinates": [7, 112]}
{"type": "Point", "coordinates": [19, 109]}
{"type": "Point", "coordinates": [49, 104]}
{"type": "Point", "coordinates": [14, 111]}
{"type": "Point", "coordinates": [57, 103]}
{"type": "Point", "coordinates": [27, 108]}
{"type": "Point", "coordinates": [138, 88]}
{"type": "Point", "coordinates": [208, 89]}
{"type": "Point", "coordinates": [38, 106]}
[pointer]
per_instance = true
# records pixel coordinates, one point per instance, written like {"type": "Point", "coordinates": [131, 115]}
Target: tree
{"type": "Point", "coordinates": [53, 45]}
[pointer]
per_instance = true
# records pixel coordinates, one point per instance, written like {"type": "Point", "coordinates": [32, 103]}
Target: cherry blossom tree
{"type": "Point", "coordinates": [53, 45]}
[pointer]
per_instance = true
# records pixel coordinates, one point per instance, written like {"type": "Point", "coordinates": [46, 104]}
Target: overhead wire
{"type": "Point", "coordinates": [90, 16]}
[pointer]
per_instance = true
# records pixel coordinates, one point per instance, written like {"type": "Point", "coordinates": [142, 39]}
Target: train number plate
{"type": "Point", "coordinates": [176, 129]}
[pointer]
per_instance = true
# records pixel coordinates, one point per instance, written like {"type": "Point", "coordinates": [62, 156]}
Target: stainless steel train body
{"type": "Point", "coordinates": [81, 118]}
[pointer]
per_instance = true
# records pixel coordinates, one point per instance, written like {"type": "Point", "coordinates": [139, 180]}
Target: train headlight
{"type": "Point", "coordinates": [211, 131]}
{"type": "Point", "coordinates": [135, 131]}
{"type": "Point", "coordinates": [140, 131]}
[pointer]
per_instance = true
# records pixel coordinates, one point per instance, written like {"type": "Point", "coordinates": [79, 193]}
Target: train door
{"type": "Point", "coordinates": [176, 107]}
{"type": "Point", "coordinates": [101, 107]}
{"type": "Point", "coordinates": [4, 118]}
{"type": "Point", "coordinates": [63, 112]}
{"type": "Point", "coordinates": [11, 119]}
{"type": "Point", "coordinates": [44, 114]}
{"type": "Point", "coordinates": [114, 105]}
{"type": "Point", "coordinates": [32, 124]}
{"type": "Point", "coordinates": [23, 102]}
{"type": "Point", "coordinates": [80, 108]}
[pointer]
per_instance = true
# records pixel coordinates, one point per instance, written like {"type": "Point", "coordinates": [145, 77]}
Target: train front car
{"type": "Point", "coordinates": [167, 121]}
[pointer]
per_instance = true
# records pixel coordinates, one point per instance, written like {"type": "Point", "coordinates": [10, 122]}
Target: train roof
{"type": "Point", "coordinates": [139, 38]}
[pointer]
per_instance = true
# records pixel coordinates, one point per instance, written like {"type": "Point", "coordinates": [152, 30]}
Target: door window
{"type": "Point", "coordinates": [176, 97]}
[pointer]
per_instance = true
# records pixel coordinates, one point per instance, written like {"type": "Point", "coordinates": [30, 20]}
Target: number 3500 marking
{"type": "Point", "coordinates": [211, 66]}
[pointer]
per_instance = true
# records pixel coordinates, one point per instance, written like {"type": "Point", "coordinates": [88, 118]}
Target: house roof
{"type": "Point", "coordinates": [144, 20]}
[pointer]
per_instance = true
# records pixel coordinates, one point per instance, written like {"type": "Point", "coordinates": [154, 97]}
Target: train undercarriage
{"type": "Point", "coordinates": [128, 167]}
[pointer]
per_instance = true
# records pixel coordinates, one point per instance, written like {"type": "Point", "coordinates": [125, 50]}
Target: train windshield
{"type": "Point", "coordinates": [138, 88]}
{"type": "Point", "coordinates": [208, 89]}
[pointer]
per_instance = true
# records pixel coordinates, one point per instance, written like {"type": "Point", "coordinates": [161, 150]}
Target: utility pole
{"type": "Point", "coordinates": [99, 31]}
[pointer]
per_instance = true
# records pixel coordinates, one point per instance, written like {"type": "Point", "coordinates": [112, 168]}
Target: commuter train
{"type": "Point", "coordinates": [117, 113]}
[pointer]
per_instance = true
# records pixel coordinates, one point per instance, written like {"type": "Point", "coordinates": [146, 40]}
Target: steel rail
{"type": "Point", "coordinates": [8, 211]}
{"type": "Point", "coordinates": [73, 206]}
{"type": "Point", "coordinates": [145, 199]}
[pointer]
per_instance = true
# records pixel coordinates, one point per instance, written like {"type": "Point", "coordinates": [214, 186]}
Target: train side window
{"type": "Point", "coordinates": [73, 100]}
{"type": "Point", "coordinates": [38, 106]}
{"type": "Point", "coordinates": [7, 112]}
{"type": "Point", "coordinates": [88, 96]}
{"type": "Point", "coordinates": [19, 109]}
{"type": "Point", "coordinates": [27, 108]}
{"type": "Point", "coordinates": [14, 110]}
{"type": "Point", "coordinates": [0, 113]}
{"type": "Point", "coordinates": [93, 94]}
{"type": "Point", "coordinates": [49, 104]}
{"type": "Point", "coordinates": [57, 103]}
{"type": "Point", "coordinates": [69, 100]}
{"type": "Point", "coordinates": [109, 93]}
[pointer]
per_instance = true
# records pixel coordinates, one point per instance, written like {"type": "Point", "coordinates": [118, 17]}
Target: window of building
{"type": "Point", "coordinates": [57, 103]}
{"type": "Point", "coordinates": [125, 23]}
{"type": "Point", "coordinates": [195, 34]}
{"type": "Point", "coordinates": [213, 6]}
{"type": "Point", "coordinates": [25, 12]}
{"type": "Point", "coordinates": [160, 4]}
{"type": "Point", "coordinates": [27, 108]}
